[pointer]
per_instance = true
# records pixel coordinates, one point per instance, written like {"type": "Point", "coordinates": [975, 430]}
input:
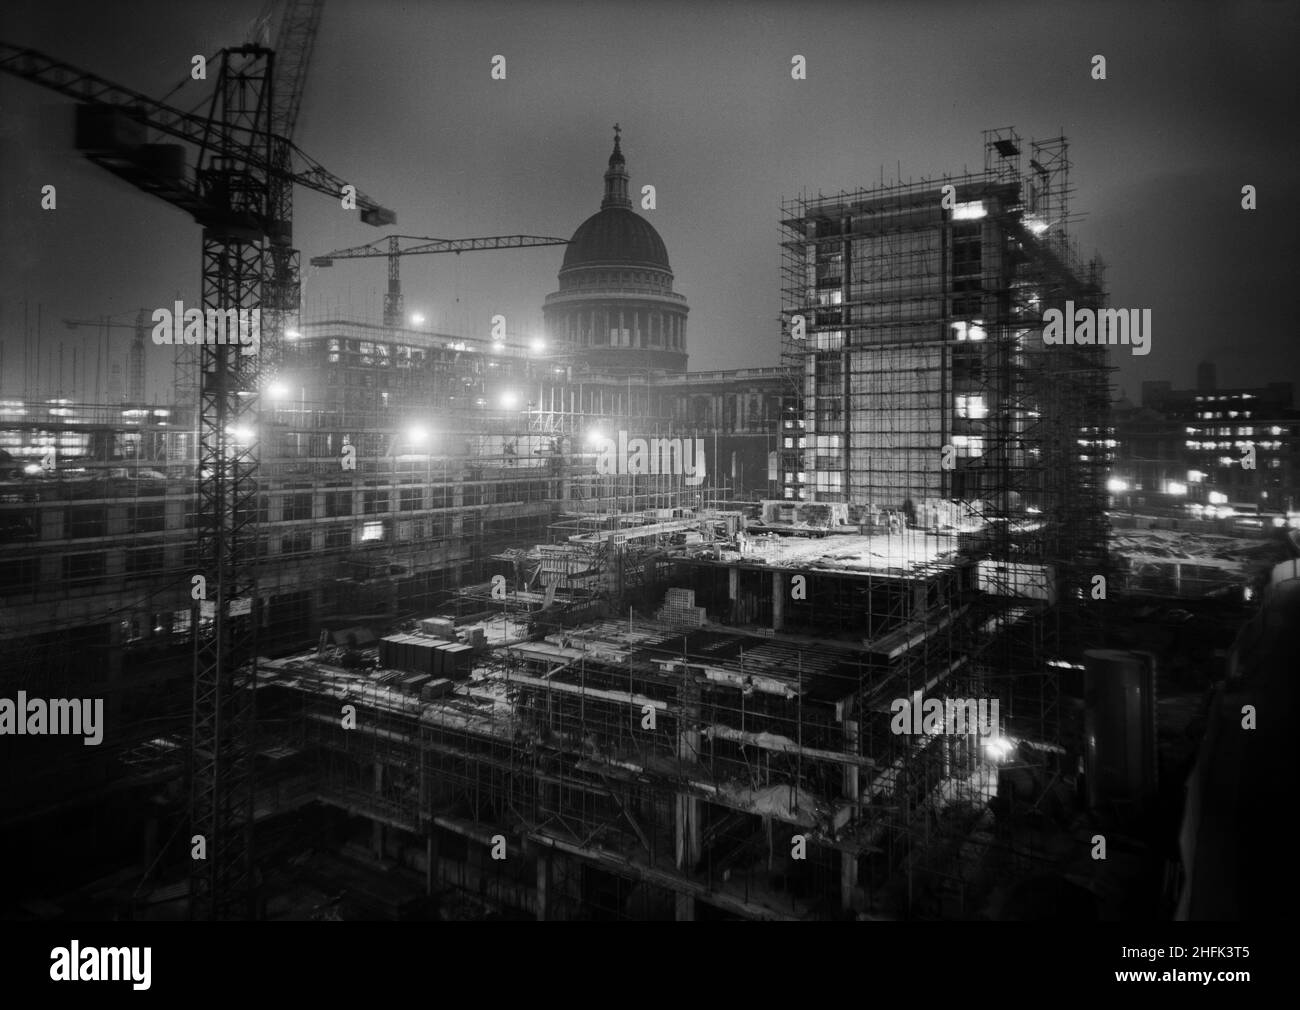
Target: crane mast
{"type": "Point", "coordinates": [240, 194]}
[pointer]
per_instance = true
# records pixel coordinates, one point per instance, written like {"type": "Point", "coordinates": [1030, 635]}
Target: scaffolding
{"type": "Point", "coordinates": [930, 406]}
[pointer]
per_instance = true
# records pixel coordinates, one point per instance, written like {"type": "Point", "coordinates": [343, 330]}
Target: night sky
{"type": "Point", "coordinates": [1200, 99]}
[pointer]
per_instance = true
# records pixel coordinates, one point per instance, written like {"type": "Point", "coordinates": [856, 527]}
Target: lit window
{"type": "Point", "coordinates": [968, 445]}
{"type": "Point", "coordinates": [972, 406]}
{"type": "Point", "coordinates": [972, 211]}
{"type": "Point", "coordinates": [372, 531]}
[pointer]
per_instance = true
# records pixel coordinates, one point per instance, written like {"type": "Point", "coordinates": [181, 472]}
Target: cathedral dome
{"type": "Point", "coordinates": [616, 310]}
{"type": "Point", "coordinates": [619, 236]}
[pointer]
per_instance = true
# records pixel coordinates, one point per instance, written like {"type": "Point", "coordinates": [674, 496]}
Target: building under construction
{"type": "Point", "coordinates": [558, 688]}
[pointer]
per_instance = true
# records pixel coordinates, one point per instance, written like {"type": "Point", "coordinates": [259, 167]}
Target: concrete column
{"type": "Point", "coordinates": [778, 600]}
{"type": "Point", "coordinates": [848, 879]}
{"type": "Point", "coordinates": [733, 588]}
{"type": "Point", "coordinates": [687, 826]}
{"type": "Point", "coordinates": [850, 786]}
{"type": "Point", "coordinates": [543, 882]}
{"type": "Point", "coordinates": [377, 834]}
{"type": "Point", "coordinates": [457, 526]}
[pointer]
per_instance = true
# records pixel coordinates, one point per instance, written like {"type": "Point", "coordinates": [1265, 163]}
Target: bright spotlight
{"type": "Point", "coordinates": [1176, 487]}
{"type": "Point", "coordinates": [277, 391]}
{"type": "Point", "coordinates": [538, 345]}
{"type": "Point", "coordinates": [240, 433]}
{"type": "Point", "coordinates": [417, 319]}
{"type": "Point", "coordinates": [417, 434]}
{"type": "Point", "coordinates": [998, 747]}
{"type": "Point", "coordinates": [291, 335]}
{"type": "Point", "coordinates": [1115, 485]}
{"type": "Point", "coordinates": [595, 437]}
{"type": "Point", "coordinates": [509, 400]}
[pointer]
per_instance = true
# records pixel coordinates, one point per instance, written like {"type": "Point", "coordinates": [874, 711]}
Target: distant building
{"type": "Point", "coordinates": [1215, 428]}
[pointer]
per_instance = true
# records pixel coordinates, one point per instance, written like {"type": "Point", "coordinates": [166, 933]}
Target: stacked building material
{"type": "Point", "coordinates": [680, 611]}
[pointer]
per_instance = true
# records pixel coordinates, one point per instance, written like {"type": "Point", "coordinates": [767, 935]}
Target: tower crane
{"type": "Point", "coordinates": [391, 249]}
{"type": "Point", "coordinates": [237, 191]}
{"type": "Point", "coordinates": [135, 383]}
